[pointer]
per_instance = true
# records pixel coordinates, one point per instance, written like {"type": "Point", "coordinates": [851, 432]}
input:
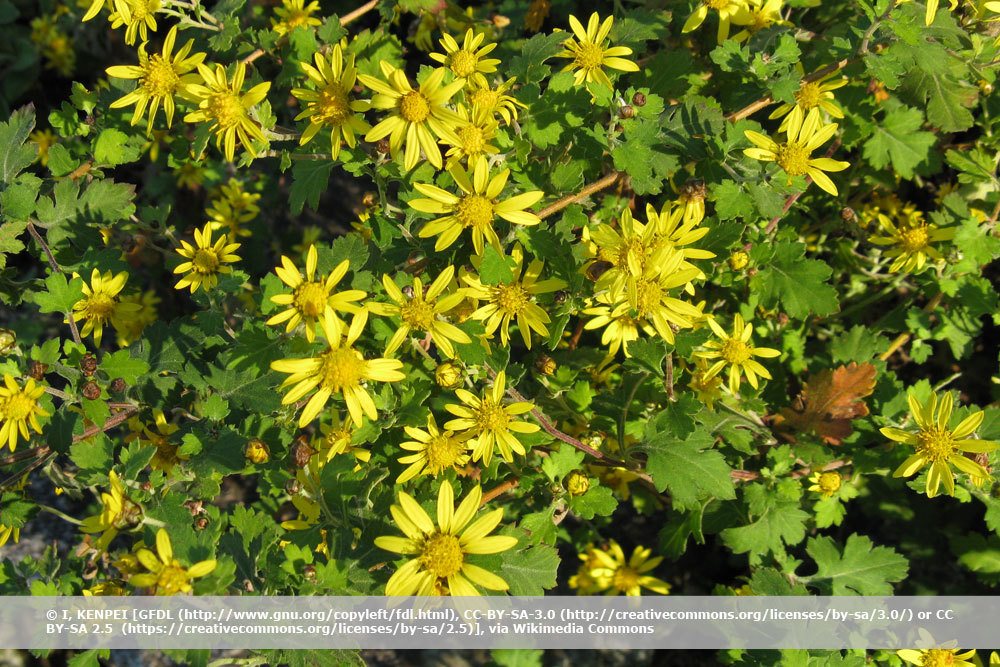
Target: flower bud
{"type": "Point", "coordinates": [545, 364]}
{"type": "Point", "coordinates": [639, 99]}
{"type": "Point", "coordinates": [88, 364]}
{"type": "Point", "coordinates": [302, 452]}
{"type": "Point", "coordinates": [8, 341]}
{"type": "Point", "coordinates": [627, 111]}
{"type": "Point", "coordinates": [577, 483]}
{"type": "Point", "coordinates": [91, 390]}
{"type": "Point", "coordinates": [37, 370]}
{"type": "Point", "coordinates": [118, 385]}
{"type": "Point", "coordinates": [738, 260]}
{"type": "Point", "coordinates": [448, 375]}
{"type": "Point", "coordinates": [257, 451]}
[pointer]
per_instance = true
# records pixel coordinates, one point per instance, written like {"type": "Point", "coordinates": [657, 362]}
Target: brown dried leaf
{"type": "Point", "coordinates": [829, 402]}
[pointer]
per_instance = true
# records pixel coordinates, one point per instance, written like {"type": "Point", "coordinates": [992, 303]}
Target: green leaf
{"type": "Point", "coordinates": [496, 268]}
{"type": "Point", "coordinates": [688, 469]}
{"type": "Point", "coordinates": [60, 294]}
{"type": "Point", "coordinates": [64, 205]}
{"type": "Point", "coordinates": [109, 201]}
{"type": "Point", "coordinates": [859, 344]}
{"type": "Point", "coordinates": [797, 283]}
{"type": "Point", "coordinates": [15, 154]}
{"type": "Point", "coordinates": [17, 202]}
{"type": "Point", "coordinates": [114, 147]}
{"type": "Point", "coordinates": [777, 520]}
{"type": "Point", "coordinates": [122, 364]}
{"type": "Point", "coordinates": [9, 241]}
{"type": "Point", "coordinates": [860, 569]}
{"type": "Point", "coordinates": [309, 180]}
{"type": "Point", "coordinates": [529, 571]}
{"type": "Point", "coordinates": [517, 657]}
{"type": "Point", "coordinates": [61, 162]}
{"type": "Point", "coordinates": [597, 501]}
{"type": "Point", "coordinates": [944, 93]}
{"type": "Point", "coordinates": [978, 553]}
{"type": "Point", "coordinates": [900, 142]}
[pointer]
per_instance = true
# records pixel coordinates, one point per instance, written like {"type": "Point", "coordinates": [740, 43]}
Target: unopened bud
{"type": "Point", "coordinates": [448, 375]}
{"type": "Point", "coordinates": [577, 483]}
{"type": "Point", "coordinates": [201, 523]}
{"type": "Point", "coordinates": [639, 99]}
{"type": "Point", "coordinates": [309, 572]}
{"type": "Point", "coordinates": [302, 452]}
{"type": "Point", "coordinates": [382, 146]}
{"type": "Point", "coordinates": [91, 390]}
{"type": "Point", "coordinates": [738, 260]}
{"type": "Point", "coordinates": [37, 370]}
{"type": "Point", "coordinates": [292, 487]}
{"type": "Point", "coordinates": [256, 451]}
{"type": "Point", "coordinates": [848, 215]}
{"type": "Point", "coordinates": [88, 364]}
{"type": "Point", "coordinates": [8, 340]}
{"type": "Point", "coordinates": [627, 111]}
{"type": "Point", "coordinates": [118, 385]}
{"type": "Point", "coordinates": [545, 364]}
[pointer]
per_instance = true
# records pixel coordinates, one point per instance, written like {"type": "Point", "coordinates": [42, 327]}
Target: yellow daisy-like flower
{"type": "Point", "coordinates": [331, 106]}
{"type": "Point", "coordinates": [138, 17]}
{"type": "Point", "coordinates": [737, 352]}
{"type": "Point", "coordinates": [339, 370]}
{"type": "Point", "coordinates": [117, 513]}
{"type": "Point", "coordinates": [475, 209]}
{"type": "Point", "coordinates": [439, 563]}
{"type": "Point", "coordinates": [101, 304]}
{"type": "Point", "coordinates": [495, 101]}
{"type": "Point", "coordinates": [910, 239]}
{"type": "Point", "coordinates": [130, 328]}
{"type": "Point", "coordinates": [295, 14]}
{"type": "Point", "coordinates": [620, 326]}
{"type": "Point", "coordinates": [826, 484]}
{"type": "Point", "coordinates": [336, 438]}
{"type": "Point", "coordinates": [420, 310]}
{"type": "Point", "coordinates": [691, 201]}
{"type": "Point", "coordinates": [467, 62]}
{"type": "Point", "coordinates": [939, 446]}
{"type": "Point", "coordinates": [434, 451]}
{"type": "Point", "coordinates": [166, 575]}
{"type": "Point", "coordinates": [757, 15]}
{"type": "Point", "coordinates": [794, 155]}
{"type": "Point", "coordinates": [726, 9]}
{"type": "Point", "coordinates": [938, 657]}
{"type": "Point", "coordinates": [589, 53]}
{"type": "Point", "coordinates": [233, 208]}
{"type": "Point", "coordinates": [583, 581]}
{"type": "Point", "coordinates": [475, 131]}
{"type": "Point", "coordinates": [312, 298]}
{"type": "Point", "coordinates": [419, 116]}
{"type": "Point", "coordinates": [96, 6]}
{"type": "Point", "coordinates": [514, 300]}
{"type": "Point", "coordinates": [620, 575]}
{"type": "Point", "coordinates": [159, 77]}
{"type": "Point", "coordinates": [707, 389]}
{"type": "Point", "coordinates": [205, 260]}
{"type": "Point", "coordinates": [166, 456]}
{"type": "Point", "coordinates": [490, 422]}
{"type": "Point", "coordinates": [19, 409]}
{"type": "Point", "coordinates": [222, 103]}
{"type": "Point", "coordinates": [812, 94]}
{"type": "Point", "coordinates": [44, 140]}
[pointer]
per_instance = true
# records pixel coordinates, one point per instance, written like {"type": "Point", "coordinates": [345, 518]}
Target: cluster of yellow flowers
{"type": "Point", "coordinates": [750, 15]}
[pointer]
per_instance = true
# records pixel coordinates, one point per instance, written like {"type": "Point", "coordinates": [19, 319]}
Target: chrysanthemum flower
{"type": "Point", "coordinates": [295, 14]}
{"type": "Point", "coordinates": [160, 77]}
{"type": "Point", "coordinates": [514, 300]}
{"type": "Point", "coordinates": [940, 446]}
{"type": "Point", "coordinates": [490, 422]}
{"type": "Point", "coordinates": [794, 155]}
{"type": "Point", "coordinates": [691, 201]}
{"type": "Point", "coordinates": [312, 297]}
{"type": "Point", "coordinates": [331, 106]}
{"type": "Point", "coordinates": [757, 15]}
{"type": "Point", "coordinates": [467, 62]}
{"type": "Point", "coordinates": [420, 311]}
{"type": "Point", "coordinates": [335, 438]}
{"type": "Point", "coordinates": [495, 101]}
{"type": "Point", "coordinates": [232, 209]}
{"type": "Point", "coordinates": [158, 435]}
{"type": "Point", "coordinates": [910, 238]}
{"type": "Point", "coordinates": [629, 576]}
{"type": "Point", "coordinates": [340, 370]}
{"type": "Point", "coordinates": [439, 563]}
{"type": "Point", "coordinates": [131, 327]}
{"type": "Point", "coordinates": [222, 103]}
{"type": "Point", "coordinates": [205, 260]}
{"type": "Point", "coordinates": [19, 409]}
{"type": "Point", "coordinates": [826, 483]}
{"type": "Point", "coordinates": [583, 581]}
{"type": "Point", "coordinates": [619, 324]}
{"type": "Point", "coordinates": [167, 576]}
{"type": "Point", "coordinates": [812, 94]}
{"type": "Point", "coordinates": [475, 131]}
{"type": "Point", "coordinates": [707, 389]}
{"type": "Point", "coordinates": [419, 116]}
{"type": "Point", "coordinates": [737, 352]}
{"type": "Point", "coordinates": [7, 532]}
{"type": "Point", "coordinates": [117, 513]}
{"type": "Point", "coordinates": [96, 6]}
{"type": "Point", "coordinates": [938, 657]}
{"type": "Point", "coordinates": [101, 304]}
{"type": "Point", "coordinates": [726, 9]}
{"type": "Point", "coordinates": [475, 209]}
{"type": "Point", "coordinates": [138, 17]}
{"type": "Point", "coordinates": [628, 249]}
{"type": "Point", "coordinates": [434, 451]}
{"type": "Point", "coordinates": [590, 54]}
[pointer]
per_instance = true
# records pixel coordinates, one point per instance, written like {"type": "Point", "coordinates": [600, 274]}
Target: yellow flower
{"type": "Point", "coordinates": [737, 352]}
{"type": "Point", "coordinates": [707, 389]}
{"type": "Point", "coordinates": [233, 208]}
{"type": "Point", "coordinates": [339, 370]}
{"type": "Point", "coordinates": [117, 513]}
{"type": "Point", "coordinates": [55, 45]}
{"type": "Point", "coordinates": [618, 575]}
{"type": "Point", "coordinates": [206, 260]}
{"type": "Point", "coordinates": [467, 62]}
{"type": "Point", "coordinates": [336, 438]}
{"type": "Point", "coordinates": [439, 563]}
{"type": "Point", "coordinates": [691, 201]}
{"type": "Point", "coordinates": [44, 139]}
{"type": "Point", "coordinates": [620, 327]}
{"type": "Point", "coordinates": [794, 155]}
{"type": "Point", "coordinates": [419, 116]}
{"type": "Point", "coordinates": [166, 575]}
{"type": "Point", "coordinates": [756, 15]}
{"type": "Point", "coordinates": [589, 53]}
{"type": "Point", "coordinates": [939, 446]}
{"type": "Point", "coordinates": [295, 14]}
{"type": "Point", "coordinates": [331, 104]}
{"type": "Point", "coordinates": [105, 588]}
{"type": "Point", "coordinates": [101, 304]}
{"type": "Point", "coordinates": [726, 9]}
{"type": "Point", "coordinates": [650, 297]}
{"type": "Point", "coordinates": [166, 456]}
{"type": "Point", "coordinates": [138, 17]}
{"type": "Point", "coordinates": [826, 484]}
{"type": "Point", "coordinates": [514, 300]}
{"type": "Point", "coordinates": [420, 311]}
{"type": "Point", "coordinates": [932, 7]}
{"type": "Point", "coordinates": [222, 103]}
{"type": "Point", "coordinates": [97, 5]}
{"type": "Point", "coordinates": [490, 422]}
{"type": "Point", "coordinates": [812, 94]}
{"type": "Point", "coordinates": [938, 657]}
{"type": "Point", "coordinates": [130, 328]}
{"type": "Point", "coordinates": [910, 237]}
{"type": "Point", "coordinates": [7, 532]}
{"type": "Point", "coordinates": [475, 131]}
{"type": "Point", "coordinates": [312, 298]}
{"type": "Point", "coordinates": [159, 77]}
{"type": "Point", "coordinates": [495, 101]}
{"type": "Point", "coordinates": [19, 408]}
{"type": "Point", "coordinates": [435, 451]}
{"type": "Point", "coordinates": [475, 209]}
{"type": "Point", "coordinates": [448, 375]}
{"type": "Point", "coordinates": [583, 581]}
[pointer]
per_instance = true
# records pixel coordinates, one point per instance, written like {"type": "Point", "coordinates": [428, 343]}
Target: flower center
{"type": "Point", "coordinates": [172, 579]}
{"type": "Point", "coordinates": [296, 17]}
{"type": "Point", "coordinates": [310, 299]}
{"type": "Point", "coordinates": [491, 416]}
{"type": "Point", "coordinates": [417, 313]}
{"type": "Point", "coordinates": [809, 95]}
{"type": "Point", "coordinates": [342, 367]}
{"type": "Point", "coordinates": [589, 56]}
{"type": "Point", "coordinates": [159, 78]}
{"type": "Point", "coordinates": [472, 139]}
{"type": "Point", "coordinates": [793, 158]}
{"type": "Point", "coordinates": [443, 452]}
{"type": "Point", "coordinates": [510, 298]}
{"type": "Point", "coordinates": [18, 407]}
{"type": "Point", "coordinates": [936, 444]}
{"type": "Point", "coordinates": [649, 296]}
{"type": "Point", "coordinates": [442, 556]}
{"type": "Point", "coordinates": [140, 10]}
{"type": "Point", "coordinates": [937, 657]}
{"type": "Point", "coordinates": [414, 107]}
{"type": "Point", "coordinates": [914, 239]}
{"type": "Point", "coordinates": [631, 248]}
{"type": "Point", "coordinates": [485, 98]}
{"type": "Point", "coordinates": [474, 211]}
{"type": "Point", "coordinates": [463, 63]}
{"type": "Point", "coordinates": [625, 578]}
{"type": "Point", "coordinates": [332, 106]}
{"type": "Point", "coordinates": [226, 108]}
{"type": "Point", "coordinates": [100, 306]}
{"type": "Point", "coordinates": [829, 483]}
{"type": "Point", "coordinates": [205, 261]}
{"type": "Point", "coordinates": [735, 351]}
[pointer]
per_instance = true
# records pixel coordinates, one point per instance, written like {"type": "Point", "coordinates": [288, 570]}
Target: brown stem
{"type": "Point", "coordinates": [25, 454]}
{"type": "Point", "coordinates": [594, 187]}
{"type": "Point", "coordinates": [55, 267]}
{"type": "Point", "coordinates": [509, 485]}
{"type": "Point", "coordinates": [108, 425]}
{"type": "Point", "coordinates": [358, 13]}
